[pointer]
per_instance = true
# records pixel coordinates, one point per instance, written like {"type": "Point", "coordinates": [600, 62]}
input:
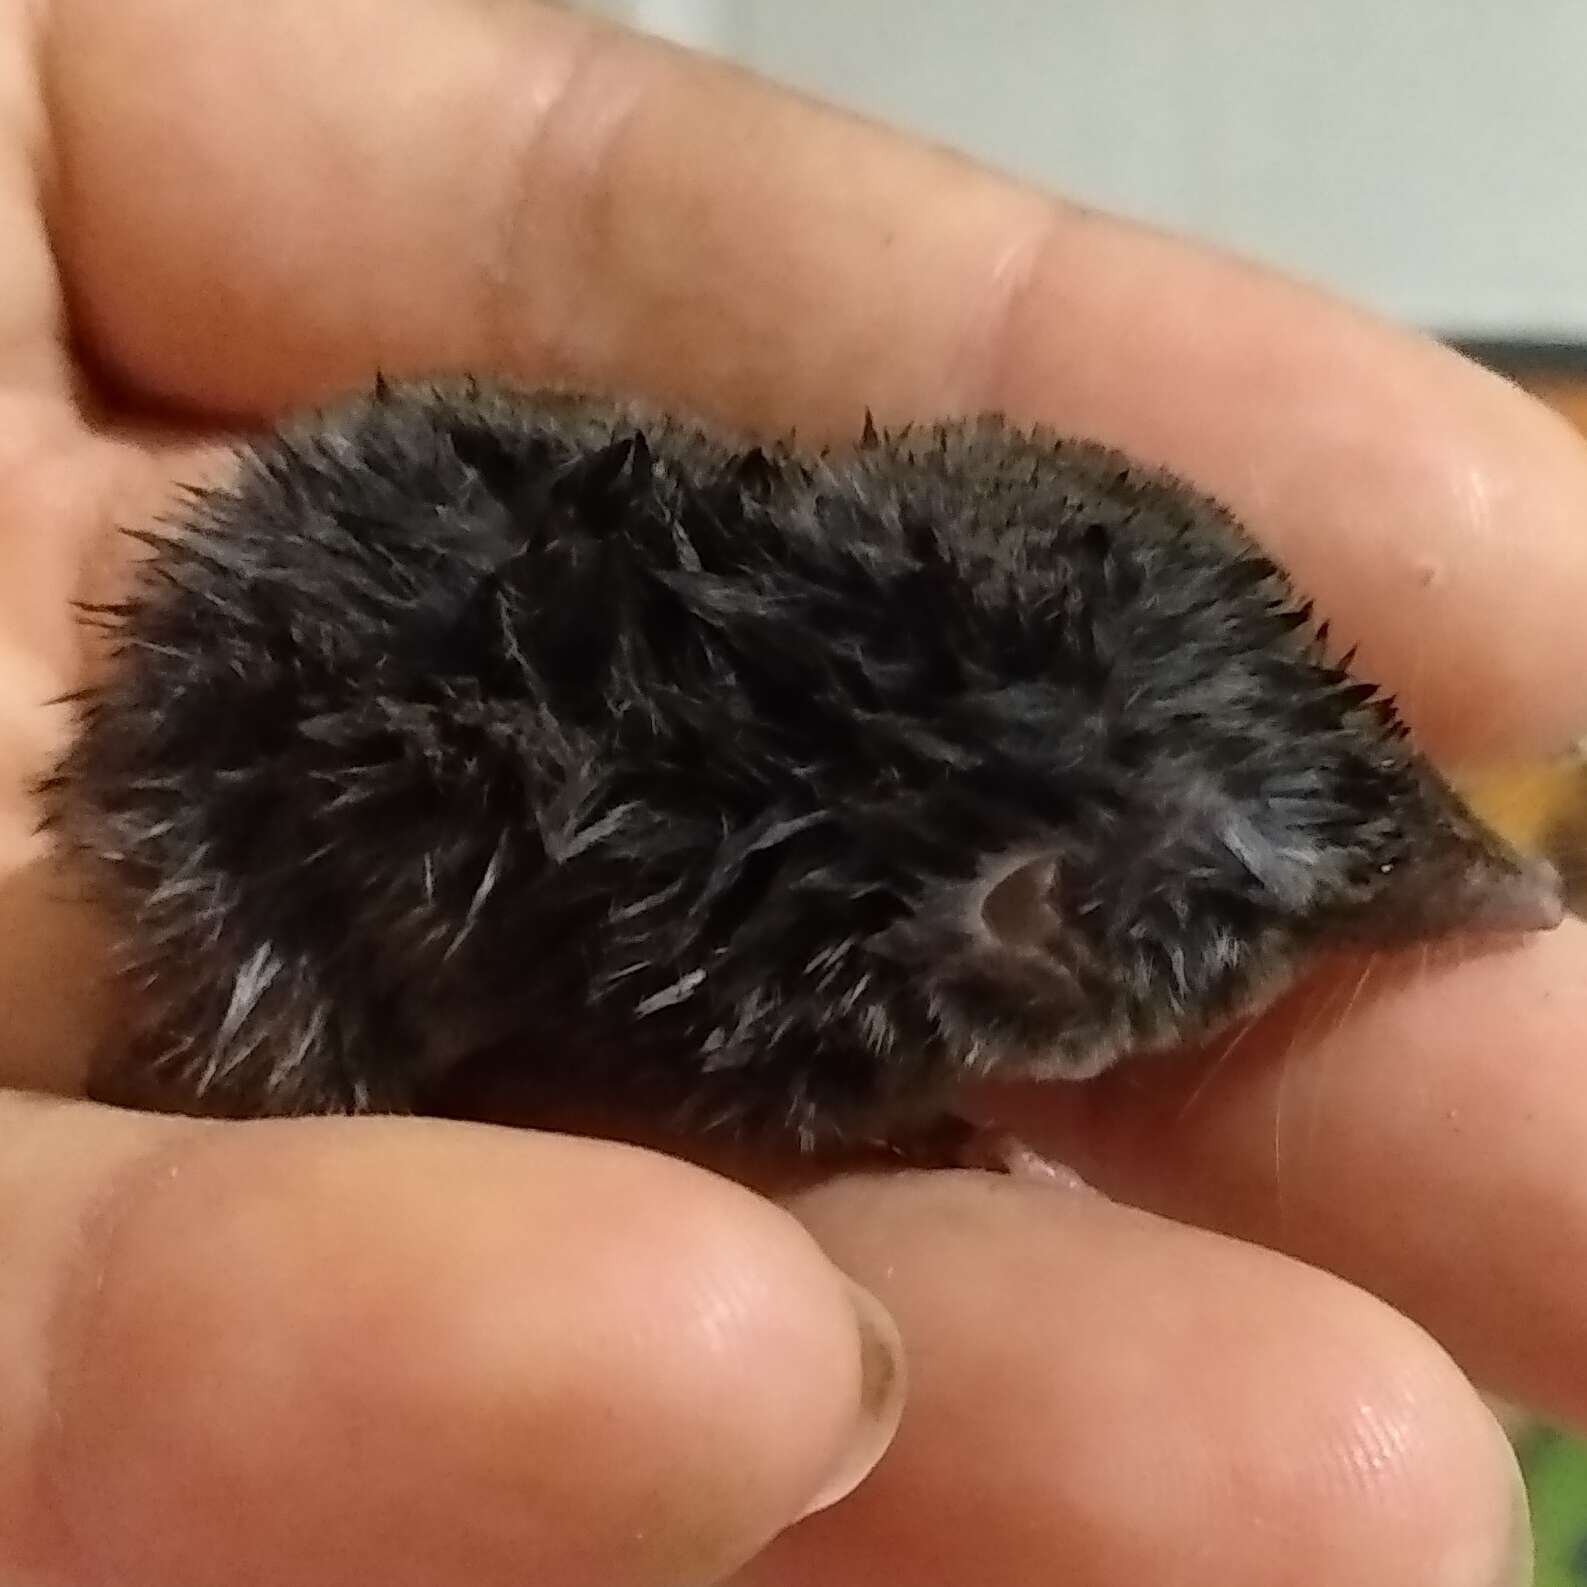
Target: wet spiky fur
{"type": "Point", "coordinates": [770, 792]}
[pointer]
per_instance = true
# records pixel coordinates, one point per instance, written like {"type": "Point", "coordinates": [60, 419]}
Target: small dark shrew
{"type": "Point", "coordinates": [755, 791]}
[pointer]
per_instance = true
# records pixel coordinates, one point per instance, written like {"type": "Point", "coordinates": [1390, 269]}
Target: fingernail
{"type": "Point", "coordinates": [882, 1390]}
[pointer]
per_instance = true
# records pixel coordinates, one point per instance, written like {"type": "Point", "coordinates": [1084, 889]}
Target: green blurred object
{"type": "Point", "coordinates": [1556, 1478]}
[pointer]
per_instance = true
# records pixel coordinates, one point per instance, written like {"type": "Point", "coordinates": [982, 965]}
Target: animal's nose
{"type": "Point", "coordinates": [1530, 898]}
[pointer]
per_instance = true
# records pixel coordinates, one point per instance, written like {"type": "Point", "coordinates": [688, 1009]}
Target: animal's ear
{"type": "Point", "coordinates": [1011, 908]}
{"type": "Point", "coordinates": [1002, 972]}
{"type": "Point", "coordinates": [1017, 909]}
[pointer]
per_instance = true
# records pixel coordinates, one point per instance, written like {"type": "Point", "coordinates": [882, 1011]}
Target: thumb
{"type": "Point", "coordinates": [342, 1351]}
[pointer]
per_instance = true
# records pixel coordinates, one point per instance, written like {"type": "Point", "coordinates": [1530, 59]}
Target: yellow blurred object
{"type": "Point", "coordinates": [1540, 807]}
{"type": "Point", "coordinates": [1526, 802]}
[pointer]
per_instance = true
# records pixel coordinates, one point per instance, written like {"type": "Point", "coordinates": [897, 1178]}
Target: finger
{"type": "Point", "coordinates": [325, 189]}
{"type": "Point", "coordinates": [44, 928]}
{"type": "Point", "coordinates": [1101, 1398]}
{"type": "Point", "coordinates": [33, 353]}
{"type": "Point", "coordinates": [64, 492]}
{"type": "Point", "coordinates": [1416, 1126]}
{"type": "Point", "coordinates": [346, 1352]}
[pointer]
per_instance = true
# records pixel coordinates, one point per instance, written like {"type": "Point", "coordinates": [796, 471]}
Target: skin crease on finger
{"type": "Point", "coordinates": [338, 1353]}
{"type": "Point", "coordinates": [516, 188]}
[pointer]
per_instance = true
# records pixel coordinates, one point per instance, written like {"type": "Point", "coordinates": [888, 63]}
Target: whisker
{"type": "Point", "coordinates": [1280, 1098]}
{"type": "Point", "coordinates": [1324, 1013]}
{"type": "Point", "coordinates": [1357, 989]}
{"type": "Point", "coordinates": [1214, 1069]}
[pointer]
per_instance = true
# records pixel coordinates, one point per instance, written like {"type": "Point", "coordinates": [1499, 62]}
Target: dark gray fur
{"type": "Point", "coordinates": [759, 791]}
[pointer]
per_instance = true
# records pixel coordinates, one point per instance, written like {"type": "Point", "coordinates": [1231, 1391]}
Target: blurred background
{"type": "Point", "coordinates": [1426, 160]}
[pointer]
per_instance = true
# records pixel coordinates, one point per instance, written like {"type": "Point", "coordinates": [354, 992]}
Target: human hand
{"type": "Point", "coordinates": [349, 1351]}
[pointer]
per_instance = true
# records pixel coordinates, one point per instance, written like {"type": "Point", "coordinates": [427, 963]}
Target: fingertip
{"type": "Point", "coordinates": [1096, 1386]}
{"type": "Point", "coordinates": [1410, 1452]}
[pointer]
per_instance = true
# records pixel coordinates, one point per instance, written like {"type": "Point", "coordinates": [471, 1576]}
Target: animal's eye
{"type": "Point", "coordinates": [1386, 868]}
